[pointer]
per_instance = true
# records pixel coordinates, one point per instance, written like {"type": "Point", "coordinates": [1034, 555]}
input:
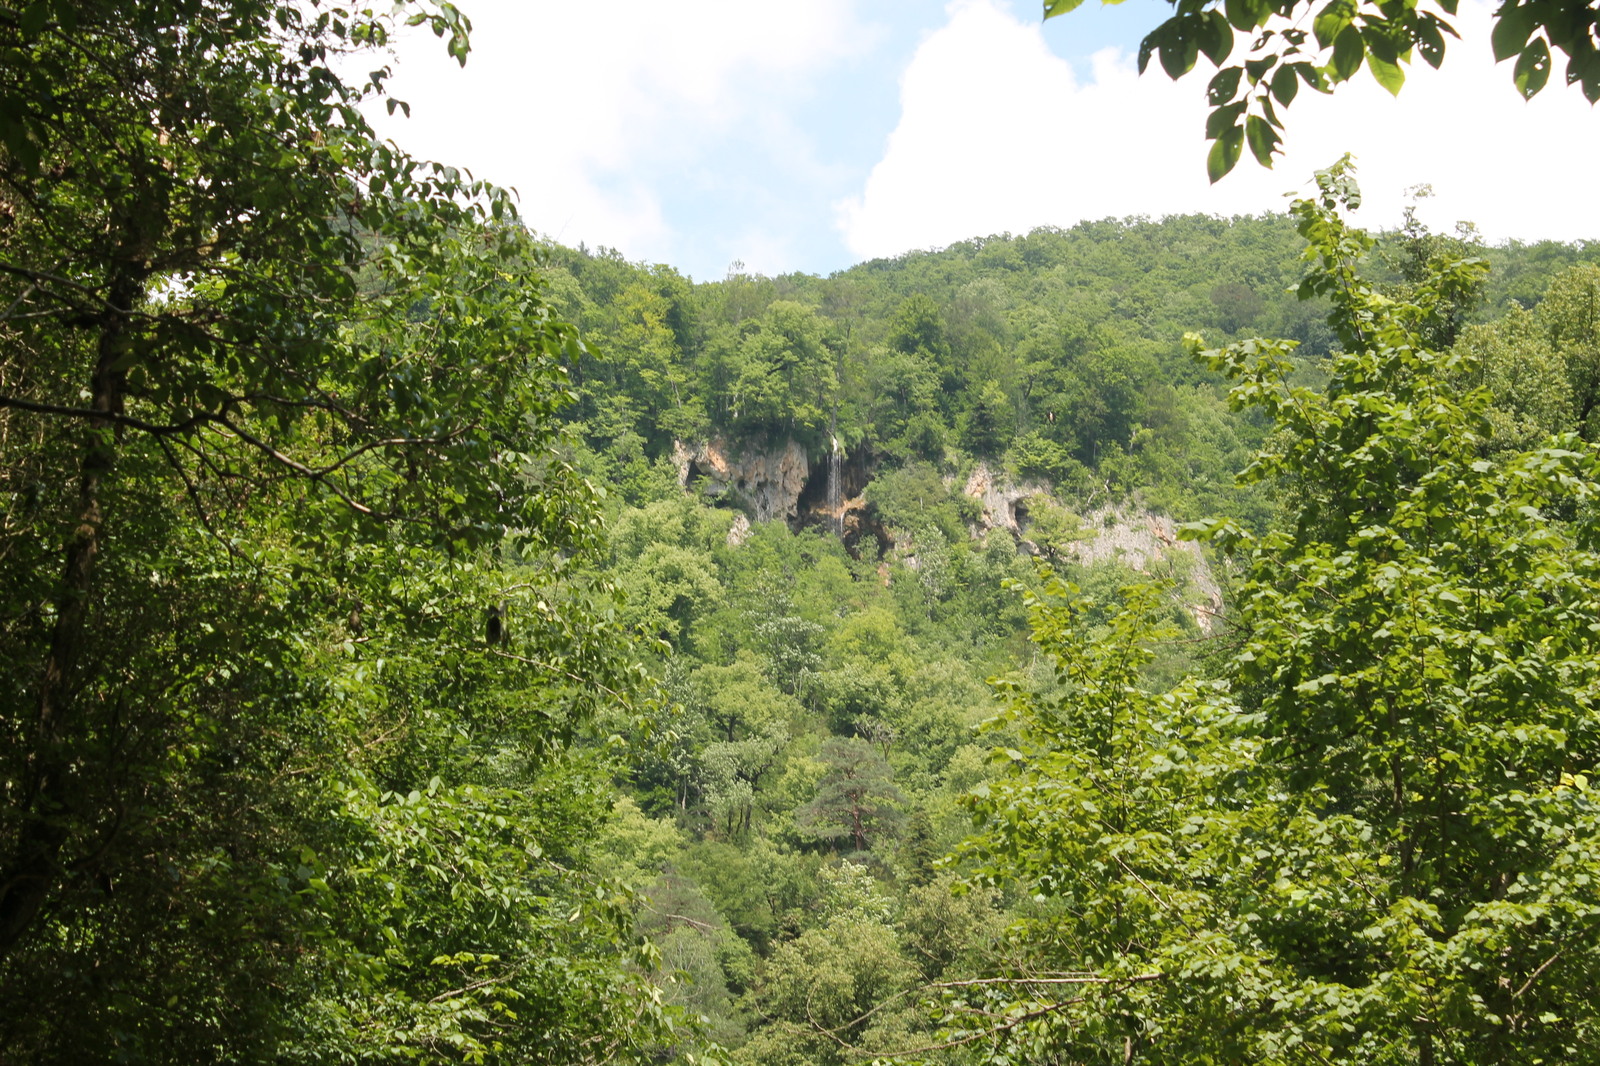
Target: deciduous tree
{"type": "Point", "coordinates": [276, 430]}
{"type": "Point", "coordinates": [1376, 841]}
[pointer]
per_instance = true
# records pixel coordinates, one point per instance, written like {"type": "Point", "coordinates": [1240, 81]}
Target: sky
{"type": "Point", "coordinates": [811, 136]}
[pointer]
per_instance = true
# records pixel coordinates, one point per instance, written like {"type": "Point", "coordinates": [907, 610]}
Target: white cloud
{"type": "Point", "coordinates": [997, 134]}
{"type": "Point", "coordinates": [584, 107]}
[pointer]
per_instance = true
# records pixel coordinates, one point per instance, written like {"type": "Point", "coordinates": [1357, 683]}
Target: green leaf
{"type": "Point", "coordinates": [1246, 15]}
{"type": "Point", "coordinates": [1216, 37]}
{"type": "Point", "coordinates": [1224, 86]}
{"type": "Point", "coordinates": [1389, 75]}
{"type": "Point", "coordinates": [1348, 52]}
{"type": "Point", "coordinates": [34, 18]}
{"type": "Point", "coordinates": [1148, 46]}
{"type": "Point", "coordinates": [1223, 118]}
{"type": "Point", "coordinates": [1584, 68]}
{"type": "Point", "coordinates": [1263, 139]}
{"type": "Point", "coordinates": [1382, 43]}
{"type": "Point", "coordinates": [1285, 84]}
{"type": "Point", "coordinates": [1512, 28]}
{"type": "Point", "coordinates": [1430, 42]}
{"type": "Point", "coordinates": [1532, 69]}
{"type": "Point", "coordinates": [1270, 113]}
{"type": "Point", "coordinates": [1224, 154]}
{"type": "Point", "coordinates": [1179, 50]}
{"type": "Point", "coordinates": [1052, 8]}
{"type": "Point", "coordinates": [1332, 20]}
{"type": "Point", "coordinates": [1314, 77]}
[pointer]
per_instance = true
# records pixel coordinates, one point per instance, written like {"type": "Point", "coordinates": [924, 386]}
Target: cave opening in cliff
{"type": "Point", "coordinates": [811, 508]}
{"type": "Point", "coordinates": [1020, 516]}
{"type": "Point", "coordinates": [704, 483]}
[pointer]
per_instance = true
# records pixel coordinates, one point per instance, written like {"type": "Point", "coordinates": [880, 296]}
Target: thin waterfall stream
{"type": "Point", "coordinates": [835, 487]}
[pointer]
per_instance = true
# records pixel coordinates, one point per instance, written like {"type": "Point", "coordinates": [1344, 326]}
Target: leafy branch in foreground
{"type": "Point", "coordinates": [277, 433]}
{"type": "Point", "coordinates": [1295, 43]}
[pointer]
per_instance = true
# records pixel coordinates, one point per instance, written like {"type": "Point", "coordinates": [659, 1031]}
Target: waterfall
{"type": "Point", "coordinates": [835, 489]}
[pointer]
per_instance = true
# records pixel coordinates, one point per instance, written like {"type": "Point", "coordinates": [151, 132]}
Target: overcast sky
{"type": "Point", "coordinates": [809, 136]}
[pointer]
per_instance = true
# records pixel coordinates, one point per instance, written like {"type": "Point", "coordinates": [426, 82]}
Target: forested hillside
{"type": "Point", "coordinates": [426, 643]}
{"type": "Point", "coordinates": [828, 715]}
{"type": "Point", "coordinates": [1056, 355]}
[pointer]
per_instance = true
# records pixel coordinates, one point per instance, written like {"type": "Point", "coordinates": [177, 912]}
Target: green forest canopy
{"type": "Point", "coordinates": [378, 693]}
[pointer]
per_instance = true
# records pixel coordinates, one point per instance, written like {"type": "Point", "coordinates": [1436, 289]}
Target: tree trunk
{"type": "Point", "coordinates": [49, 805]}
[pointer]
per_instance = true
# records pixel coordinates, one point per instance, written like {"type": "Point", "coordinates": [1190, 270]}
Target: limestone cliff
{"type": "Point", "coordinates": [1004, 502]}
{"type": "Point", "coordinates": [1138, 539]}
{"type": "Point", "coordinates": [1148, 543]}
{"type": "Point", "coordinates": [766, 483]}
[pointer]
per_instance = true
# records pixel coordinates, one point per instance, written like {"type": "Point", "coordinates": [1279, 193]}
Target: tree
{"type": "Point", "coordinates": [835, 986]}
{"type": "Point", "coordinates": [1375, 840]}
{"type": "Point", "coordinates": [918, 330]}
{"type": "Point", "coordinates": [645, 364]}
{"type": "Point", "coordinates": [277, 430]}
{"type": "Point", "coordinates": [785, 378]}
{"type": "Point", "coordinates": [1568, 319]}
{"type": "Point", "coordinates": [1282, 55]}
{"type": "Point", "coordinates": [856, 800]}
{"type": "Point", "coordinates": [1526, 379]}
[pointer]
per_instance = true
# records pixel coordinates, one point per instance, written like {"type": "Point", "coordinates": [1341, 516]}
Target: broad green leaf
{"type": "Point", "coordinates": [1285, 84]}
{"type": "Point", "coordinates": [1148, 46]}
{"type": "Point", "coordinates": [1532, 69]}
{"type": "Point", "coordinates": [1216, 37]}
{"type": "Point", "coordinates": [1224, 153]}
{"type": "Point", "coordinates": [1384, 41]}
{"type": "Point", "coordinates": [1332, 20]}
{"type": "Point", "coordinates": [1348, 52]}
{"type": "Point", "coordinates": [1430, 42]}
{"type": "Point", "coordinates": [1389, 75]}
{"type": "Point", "coordinates": [1223, 118]}
{"type": "Point", "coordinates": [1247, 15]}
{"type": "Point", "coordinates": [1314, 77]}
{"type": "Point", "coordinates": [1512, 28]}
{"type": "Point", "coordinates": [1224, 86]}
{"type": "Point", "coordinates": [1270, 113]}
{"type": "Point", "coordinates": [1584, 69]}
{"type": "Point", "coordinates": [1262, 137]}
{"type": "Point", "coordinates": [1181, 47]}
{"type": "Point", "coordinates": [1052, 8]}
{"type": "Point", "coordinates": [34, 17]}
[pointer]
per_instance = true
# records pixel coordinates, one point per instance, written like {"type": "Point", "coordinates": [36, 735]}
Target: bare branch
{"type": "Point", "coordinates": [557, 670]}
{"type": "Point", "coordinates": [116, 418]}
{"type": "Point", "coordinates": [1543, 966]}
{"type": "Point", "coordinates": [294, 464]}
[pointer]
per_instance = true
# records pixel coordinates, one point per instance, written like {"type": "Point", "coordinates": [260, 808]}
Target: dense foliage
{"type": "Point", "coordinates": [277, 416]}
{"type": "Point", "coordinates": [1372, 839]}
{"type": "Point", "coordinates": [1056, 355]}
{"type": "Point", "coordinates": [828, 695]}
{"type": "Point", "coordinates": [347, 720]}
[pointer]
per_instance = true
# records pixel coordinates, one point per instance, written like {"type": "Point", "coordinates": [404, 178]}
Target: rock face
{"type": "Point", "coordinates": [766, 483]}
{"type": "Point", "coordinates": [1148, 543]}
{"type": "Point", "coordinates": [776, 484]}
{"type": "Point", "coordinates": [1137, 539]}
{"type": "Point", "coordinates": [1002, 501]}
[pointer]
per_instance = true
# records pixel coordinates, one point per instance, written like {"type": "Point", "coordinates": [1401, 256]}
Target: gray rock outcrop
{"type": "Point", "coordinates": [766, 483]}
